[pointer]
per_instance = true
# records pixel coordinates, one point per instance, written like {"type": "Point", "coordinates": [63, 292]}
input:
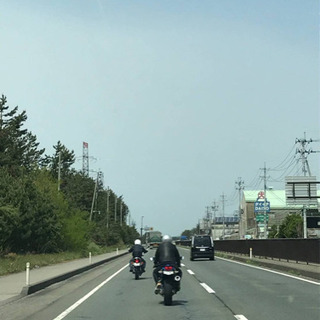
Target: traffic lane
{"type": "Point", "coordinates": [257, 293]}
{"type": "Point", "coordinates": [123, 296]}
{"type": "Point", "coordinates": [49, 302]}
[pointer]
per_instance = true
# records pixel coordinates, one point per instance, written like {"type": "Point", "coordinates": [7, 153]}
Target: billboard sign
{"type": "Point", "coordinates": [259, 206]}
{"type": "Point", "coordinates": [301, 190]}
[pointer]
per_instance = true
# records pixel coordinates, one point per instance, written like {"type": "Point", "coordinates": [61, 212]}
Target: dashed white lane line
{"type": "Point", "coordinates": [210, 290]}
{"type": "Point", "coordinates": [205, 286]}
{"type": "Point", "coordinates": [77, 304]}
{"type": "Point", "coordinates": [182, 265]}
{"type": "Point", "coordinates": [240, 317]}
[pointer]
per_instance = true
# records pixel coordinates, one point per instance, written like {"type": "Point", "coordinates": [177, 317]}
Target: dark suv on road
{"type": "Point", "coordinates": [202, 247]}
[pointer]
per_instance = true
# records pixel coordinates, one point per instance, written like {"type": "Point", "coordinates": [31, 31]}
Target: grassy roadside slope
{"type": "Point", "coordinates": [12, 263]}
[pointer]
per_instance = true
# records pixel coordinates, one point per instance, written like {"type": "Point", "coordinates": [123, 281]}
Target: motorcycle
{"type": "Point", "coordinates": [137, 267]}
{"type": "Point", "coordinates": [170, 279]}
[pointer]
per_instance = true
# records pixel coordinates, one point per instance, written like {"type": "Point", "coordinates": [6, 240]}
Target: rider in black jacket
{"type": "Point", "coordinates": [137, 251]}
{"type": "Point", "coordinates": [166, 252]}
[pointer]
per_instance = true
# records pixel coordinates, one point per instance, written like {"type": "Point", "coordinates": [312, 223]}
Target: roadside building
{"type": "Point", "coordinates": [220, 227]}
{"type": "Point", "coordinates": [252, 227]}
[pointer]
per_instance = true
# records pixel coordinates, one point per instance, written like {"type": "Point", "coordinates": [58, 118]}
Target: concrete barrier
{"type": "Point", "coordinates": [48, 282]}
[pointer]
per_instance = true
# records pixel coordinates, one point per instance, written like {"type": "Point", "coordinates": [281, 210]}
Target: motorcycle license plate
{"type": "Point", "coordinates": [168, 272]}
{"type": "Point", "coordinates": [136, 264]}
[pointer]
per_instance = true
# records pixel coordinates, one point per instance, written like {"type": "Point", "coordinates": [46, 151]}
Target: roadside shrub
{"type": "Point", "coordinates": [76, 231]}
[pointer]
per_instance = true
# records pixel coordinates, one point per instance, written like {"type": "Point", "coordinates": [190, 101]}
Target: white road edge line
{"type": "Point", "coordinates": [272, 271]}
{"type": "Point", "coordinates": [84, 298]}
{"type": "Point", "coordinates": [240, 317]}
{"type": "Point", "coordinates": [204, 285]}
{"type": "Point", "coordinates": [190, 271]}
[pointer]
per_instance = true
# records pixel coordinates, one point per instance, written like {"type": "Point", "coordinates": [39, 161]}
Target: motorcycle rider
{"type": "Point", "coordinates": [166, 252]}
{"type": "Point", "coordinates": [137, 251]}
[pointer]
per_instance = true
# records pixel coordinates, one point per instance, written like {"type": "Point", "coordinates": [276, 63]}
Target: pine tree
{"type": "Point", "coordinates": [18, 146]}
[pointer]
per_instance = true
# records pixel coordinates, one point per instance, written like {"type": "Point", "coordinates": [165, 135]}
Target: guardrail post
{"type": "Point", "coordinates": [250, 253]}
{"type": "Point", "coordinates": [117, 251]}
{"type": "Point", "coordinates": [90, 260]}
{"type": "Point", "coordinates": [28, 273]}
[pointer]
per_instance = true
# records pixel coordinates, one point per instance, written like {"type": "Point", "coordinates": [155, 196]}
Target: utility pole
{"type": "Point", "coordinates": [121, 212]}
{"type": "Point", "coordinates": [305, 167]}
{"type": "Point", "coordinates": [141, 229]}
{"type": "Point", "coordinates": [223, 224]}
{"type": "Point", "coordinates": [208, 220]}
{"type": "Point", "coordinates": [304, 154]}
{"type": "Point", "coordinates": [108, 195]}
{"type": "Point", "coordinates": [265, 200]}
{"type": "Point", "coordinates": [115, 208]}
{"type": "Point", "coordinates": [59, 170]}
{"type": "Point", "coordinates": [240, 187]}
{"type": "Point", "coordinates": [214, 208]}
{"type": "Point", "coordinates": [129, 218]}
{"type": "Point", "coordinates": [94, 196]}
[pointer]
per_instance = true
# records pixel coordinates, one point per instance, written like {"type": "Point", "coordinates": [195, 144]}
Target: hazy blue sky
{"type": "Point", "coordinates": [176, 99]}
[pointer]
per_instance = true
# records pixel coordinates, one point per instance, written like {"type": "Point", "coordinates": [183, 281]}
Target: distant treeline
{"type": "Point", "coordinates": [37, 217]}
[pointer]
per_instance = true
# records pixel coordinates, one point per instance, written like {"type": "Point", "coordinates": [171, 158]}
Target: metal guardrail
{"type": "Point", "coordinates": [304, 250]}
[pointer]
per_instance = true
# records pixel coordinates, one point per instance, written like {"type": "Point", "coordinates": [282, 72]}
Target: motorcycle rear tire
{"type": "Point", "coordinates": [167, 293]}
{"type": "Point", "coordinates": [136, 275]}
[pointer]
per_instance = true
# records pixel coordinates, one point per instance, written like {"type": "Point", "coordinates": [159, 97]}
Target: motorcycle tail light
{"type": "Point", "coordinates": [136, 261]}
{"type": "Point", "coordinates": [168, 268]}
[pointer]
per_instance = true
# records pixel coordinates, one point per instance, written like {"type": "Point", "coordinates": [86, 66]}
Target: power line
{"type": "Point", "coordinates": [281, 166]}
{"type": "Point", "coordinates": [255, 181]}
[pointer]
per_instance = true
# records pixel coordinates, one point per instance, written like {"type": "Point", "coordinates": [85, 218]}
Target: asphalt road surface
{"type": "Point", "coordinates": [209, 290]}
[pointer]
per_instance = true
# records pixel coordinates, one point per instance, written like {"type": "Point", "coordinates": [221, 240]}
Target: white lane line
{"type": "Point", "coordinates": [272, 271]}
{"type": "Point", "coordinates": [240, 317]}
{"type": "Point", "coordinates": [88, 295]}
{"type": "Point", "coordinates": [207, 288]}
{"type": "Point", "coordinates": [182, 265]}
{"type": "Point", "coordinates": [190, 271]}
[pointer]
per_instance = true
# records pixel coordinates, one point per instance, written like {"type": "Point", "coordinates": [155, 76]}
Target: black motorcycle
{"type": "Point", "coordinates": [137, 267]}
{"type": "Point", "coordinates": [170, 279]}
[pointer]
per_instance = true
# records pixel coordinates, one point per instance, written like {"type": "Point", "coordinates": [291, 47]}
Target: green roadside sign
{"type": "Point", "coordinates": [260, 218]}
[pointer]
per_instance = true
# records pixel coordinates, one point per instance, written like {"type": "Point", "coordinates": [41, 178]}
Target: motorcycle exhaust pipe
{"type": "Point", "coordinates": [177, 278]}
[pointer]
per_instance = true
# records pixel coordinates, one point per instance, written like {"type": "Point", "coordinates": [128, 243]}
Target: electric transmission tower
{"type": "Point", "coordinates": [85, 159]}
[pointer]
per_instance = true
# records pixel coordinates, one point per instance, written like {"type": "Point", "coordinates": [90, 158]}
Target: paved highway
{"type": "Point", "coordinates": [210, 290]}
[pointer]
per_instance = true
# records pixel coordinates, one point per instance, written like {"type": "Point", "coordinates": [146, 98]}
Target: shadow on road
{"type": "Point", "coordinates": [176, 303]}
{"type": "Point", "coordinates": [142, 278]}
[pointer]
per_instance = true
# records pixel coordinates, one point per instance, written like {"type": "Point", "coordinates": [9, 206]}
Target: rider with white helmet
{"type": "Point", "coordinates": [137, 251]}
{"type": "Point", "coordinates": [166, 238]}
{"type": "Point", "coordinates": [166, 251]}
